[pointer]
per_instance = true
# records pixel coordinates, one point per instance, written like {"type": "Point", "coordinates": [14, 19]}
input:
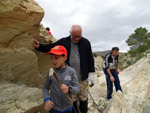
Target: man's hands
{"type": "Point", "coordinates": [111, 76]}
{"type": "Point", "coordinates": [48, 105]}
{"type": "Point", "coordinates": [91, 79]}
{"type": "Point", "coordinates": [112, 79]}
{"type": "Point", "coordinates": [36, 43]}
{"type": "Point", "coordinates": [64, 88]}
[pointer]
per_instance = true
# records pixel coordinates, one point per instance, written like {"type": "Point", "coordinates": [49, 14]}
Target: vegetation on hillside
{"type": "Point", "coordinates": [139, 43]}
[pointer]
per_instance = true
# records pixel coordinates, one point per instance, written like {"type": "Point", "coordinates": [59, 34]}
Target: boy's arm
{"type": "Point", "coordinates": [75, 84]}
{"type": "Point", "coordinates": [46, 87]}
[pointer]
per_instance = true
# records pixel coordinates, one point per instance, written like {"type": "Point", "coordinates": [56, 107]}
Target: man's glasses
{"type": "Point", "coordinates": [75, 36]}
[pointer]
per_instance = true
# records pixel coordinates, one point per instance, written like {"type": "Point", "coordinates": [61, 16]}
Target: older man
{"type": "Point", "coordinates": [79, 57]}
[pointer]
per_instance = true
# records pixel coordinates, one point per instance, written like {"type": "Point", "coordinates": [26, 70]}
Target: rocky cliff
{"type": "Point", "coordinates": [22, 69]}
{"type": "Point", "coordinates": [19, 23]}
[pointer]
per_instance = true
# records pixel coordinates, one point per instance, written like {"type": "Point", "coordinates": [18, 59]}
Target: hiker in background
{"type": "Point", "coordinates": [57, 102]}
{"type": "Point", "coordinates": [80, 58]}
{"type": "Point", "coordinates": [110, 69]}
{"type": "Point", "coordinates": [48, 29]}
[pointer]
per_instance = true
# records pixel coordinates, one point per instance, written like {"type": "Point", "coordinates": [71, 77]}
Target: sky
{"type": "Point", "coordinates": [105, 23]}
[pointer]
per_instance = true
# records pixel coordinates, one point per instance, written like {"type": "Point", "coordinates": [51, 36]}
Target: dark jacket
{"type": "Point", "coordinates": [109, 61]}
{"type": "Point", "coordinates": [85, 51]}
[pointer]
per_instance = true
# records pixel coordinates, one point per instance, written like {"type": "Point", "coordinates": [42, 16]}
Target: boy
{"type": "Point", "coordinates": [57, 102]}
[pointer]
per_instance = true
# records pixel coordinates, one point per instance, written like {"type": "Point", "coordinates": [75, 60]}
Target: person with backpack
{"type": "Point", "coordinates": [80, 57]}
{"type": "Point", "coordinates": [48, 29]}
{"type": "Point", "coordinates": [57, 101]}
{"type": "Point", "coordinates": [110, 69]}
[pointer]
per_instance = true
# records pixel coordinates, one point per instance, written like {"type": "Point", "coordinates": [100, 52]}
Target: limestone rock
{"type": "Point", "coordinates": [18, 16]}
{"type": "Point", "coordinates": [19, 62]}
{"type": "Point", "coordinates": [146, 106]}
{"type": "Point", "coordinates": [16, 98]}
{"type": "Point", "coordinates": [22, 68]}
{"type": "Point", "coordinates": [98, 65]}
{"type": "Point", "coordinates": [115, 103]}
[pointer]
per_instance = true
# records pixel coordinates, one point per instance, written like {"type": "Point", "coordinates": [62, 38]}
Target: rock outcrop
{"type": "Point", "coordinates": [22, 69]}
{"type": "Point", "coordinates": [19, 23]}
{"type": "Point", "coordinates": [98, 92]}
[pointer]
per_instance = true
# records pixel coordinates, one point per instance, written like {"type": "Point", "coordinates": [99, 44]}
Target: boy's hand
{"type": "Point", "coordinates": [36, 43]}
{"type": "Point", "coordinates": [64, 88]}
{"type": "Point", "coordinates": [48, 105]}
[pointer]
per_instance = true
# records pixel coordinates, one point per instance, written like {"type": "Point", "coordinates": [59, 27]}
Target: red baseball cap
{"type": "Point", "coordinates": [58, 50]}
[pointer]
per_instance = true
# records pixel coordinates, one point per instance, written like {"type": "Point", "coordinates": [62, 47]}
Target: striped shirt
{"type": "Point", "coordinates": [110, 61]}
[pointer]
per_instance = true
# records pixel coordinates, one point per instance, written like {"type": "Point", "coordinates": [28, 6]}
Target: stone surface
{"type": "Point", "coordinates": [98, 65]}
{"type": "Point", "coordinates": [22, 68]}
{"type": "Point", "coordinates": [20, 23]}
{"type": "Point", "coordinates": [17, 17]}
{"type": "Point", "coordinates": [98, 91]}
{"type": "Point", "coordinates": [16, 98]}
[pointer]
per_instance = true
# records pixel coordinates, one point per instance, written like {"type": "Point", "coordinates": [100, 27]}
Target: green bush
{"type": "Point", "coordinates": [129, 62]}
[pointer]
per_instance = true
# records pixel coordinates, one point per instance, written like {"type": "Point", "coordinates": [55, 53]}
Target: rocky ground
{"type": "Point", "coordinates": [15, 98]}
{"type": "Point", "coordinates": [135, 81]}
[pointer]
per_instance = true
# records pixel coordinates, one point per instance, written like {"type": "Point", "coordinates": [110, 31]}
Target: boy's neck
{"type": "Point", "coordinates": [62, 66]}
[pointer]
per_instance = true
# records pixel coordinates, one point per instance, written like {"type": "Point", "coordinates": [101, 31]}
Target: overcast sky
{"type": "Point", "coordinates": [105, 23]}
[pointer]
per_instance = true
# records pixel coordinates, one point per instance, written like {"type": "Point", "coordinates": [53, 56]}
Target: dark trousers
{"type": "Point", "coordinates": [110, 84]}
{"type": "Point", "coordinates": [83, 107]}
{"type": "Point", "coordinates": [55, 111]}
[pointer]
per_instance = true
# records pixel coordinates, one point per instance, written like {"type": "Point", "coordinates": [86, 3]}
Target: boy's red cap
{"type": "Point", "coordinates": [58, 50]}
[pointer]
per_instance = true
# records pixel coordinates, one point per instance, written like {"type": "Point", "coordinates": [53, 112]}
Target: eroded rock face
{"type": "Point", "coordinates": [21, 66]}
{"type": "Point", "coordinates": [19, 23]}
{"type": "Point", "coordinates": [18, 16]}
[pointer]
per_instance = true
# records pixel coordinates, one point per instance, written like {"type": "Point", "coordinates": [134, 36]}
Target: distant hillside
{"type": "Point", "coordinates": [101, 53]}
{"type": "Point", "coordinates": [125, 60]}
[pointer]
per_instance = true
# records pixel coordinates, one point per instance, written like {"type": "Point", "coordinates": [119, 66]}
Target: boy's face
{"type": "Point", "coordinates": [58, 60]}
